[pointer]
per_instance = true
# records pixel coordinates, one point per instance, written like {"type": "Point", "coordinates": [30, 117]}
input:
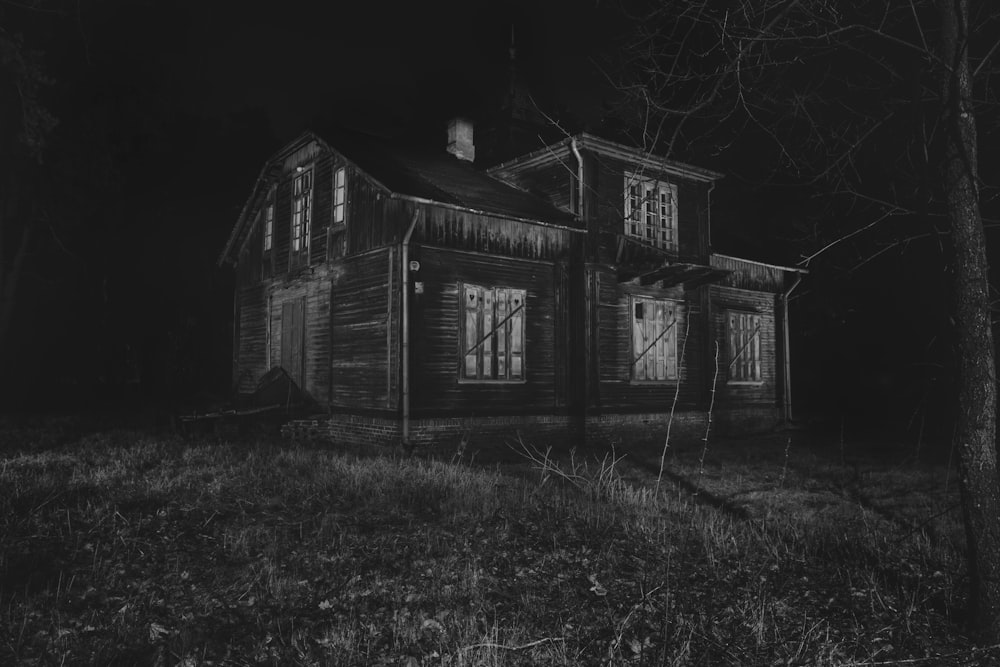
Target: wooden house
{"type": "Point", "coordinates": [568, 295]}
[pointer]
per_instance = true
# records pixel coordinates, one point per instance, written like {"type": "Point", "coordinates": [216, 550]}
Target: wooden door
{"type": "Point", "coordinates": [292, 339]}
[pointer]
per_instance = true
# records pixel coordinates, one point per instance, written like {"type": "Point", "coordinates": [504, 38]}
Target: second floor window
{"type": "Point", "coordinates": [339, 194]}
{"type": "Point", "coordinates": [268, 225]}
{"type": "Point", "coordinates": [301, 210]}
{"type": "Point", "coordinates": [651, 211]}
{"type": "Point", "coordinates": [492, 333]}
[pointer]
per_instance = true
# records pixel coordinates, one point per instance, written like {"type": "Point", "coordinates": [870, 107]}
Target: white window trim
{"type": "Point", "coordinates": [339, 195]}
{"type": "Point", "coordinates": [302, 219]}
{"type": "Point", "coordinates": [670, 332]}
{"type": "Point", "coordinates": [269, 222]}
{"type": "Point", "coordinates": [645, 223]}
{"type": "Point", "coordinates": [735, 349]}
{"type": "Point", "coordinates": [493, 314]}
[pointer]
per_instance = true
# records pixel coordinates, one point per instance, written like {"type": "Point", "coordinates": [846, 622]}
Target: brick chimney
{"type": "Point", "coordinates": [460, 143]}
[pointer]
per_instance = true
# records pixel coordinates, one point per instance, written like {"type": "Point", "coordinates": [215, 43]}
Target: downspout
{"type": "Point", "coordinates": [788, 350]}
{"type": "Point", "coordinates": [579, 176]}
{"type": "Point", "coordinates": [708, 225]}
{"type": "Point", "coordinates": [405, 258]}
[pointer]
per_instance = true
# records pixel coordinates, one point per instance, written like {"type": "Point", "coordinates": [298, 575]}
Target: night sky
{"type": "Point", "coordinates": [166, 112]}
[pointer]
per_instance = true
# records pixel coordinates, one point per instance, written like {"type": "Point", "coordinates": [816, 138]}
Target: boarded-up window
{"type": "Point", "coordinates": [492, 333]}
{"type": "Point", "coordinates": [654, 340]}
{"type": "Point", "coordinates": [292, 330]}
{"type": "Point", "coordinates": [744, 346]}
{"type": "Point", "coordinates": [301, 212]}
{"type": "Point", "coordinates": [339, 194]}
{"type": "Point", "coordinates": [651, 211]}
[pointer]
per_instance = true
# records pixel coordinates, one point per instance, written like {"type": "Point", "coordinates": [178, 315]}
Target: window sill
{"type": "Point", "coordinates": [653, 382]}
{"type": "Point", "coordinates": [490, 382]}
{"type": "Point", "coordinates": [745, 383]}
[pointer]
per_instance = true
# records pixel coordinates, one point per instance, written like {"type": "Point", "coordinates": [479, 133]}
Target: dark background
{"type": "Point", "coordinates": [166, 112]}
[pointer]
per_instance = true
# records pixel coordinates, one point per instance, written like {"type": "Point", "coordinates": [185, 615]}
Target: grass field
{"type": "Point", "coordinates": [132, 549]}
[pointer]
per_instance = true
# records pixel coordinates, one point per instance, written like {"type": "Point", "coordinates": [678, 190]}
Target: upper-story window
{"type": "Point", "coordinates": [651, 211]}
{"type": "Point", "coordinates": [339, 194]}
{"type": "Point", "coordinates": [269, 222]}
{"type": "Point", "coordinates": [301, 210]}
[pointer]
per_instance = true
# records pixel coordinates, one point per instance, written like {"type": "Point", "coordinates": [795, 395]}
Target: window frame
{"type": "Point", "coordinates": [301, 222]}
{"type": "Point", "coordinates": [268, 215]}
{"type": "Point", "coordinates": [644, 222]}
{"type": "Point", "coordinates": [736, 347]}
{"type": "Point", "coordinates": [339, 214]}
{"type": "Point", "coordinates": [505, 353]}
{"type": "Point", "coordinates": [670, 333]}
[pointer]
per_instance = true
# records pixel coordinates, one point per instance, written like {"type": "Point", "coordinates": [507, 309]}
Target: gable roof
{"type": "Point", "coordinates": [562, 150]}
{"type": "Point", "coordinates": [417, 175]}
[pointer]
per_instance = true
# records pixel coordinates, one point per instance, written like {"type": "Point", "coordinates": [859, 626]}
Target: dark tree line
{"type": "Point", "coordinates": [873, 107]}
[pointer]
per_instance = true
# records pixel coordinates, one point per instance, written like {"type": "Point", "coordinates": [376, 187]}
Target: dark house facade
{"type": "Point", "coordinates": [567, 296]}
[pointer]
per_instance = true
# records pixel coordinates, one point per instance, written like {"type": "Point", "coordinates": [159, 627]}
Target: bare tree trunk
{"type": "Point", "coordinates": [976, 430]}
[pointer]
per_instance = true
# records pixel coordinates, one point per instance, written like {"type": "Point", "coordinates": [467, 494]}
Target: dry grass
{"type": "Point", "coordinates": [121, 548]}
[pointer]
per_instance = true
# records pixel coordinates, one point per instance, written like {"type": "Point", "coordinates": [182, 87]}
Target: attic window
{"type": "Point", "coordinates": [339, 194]}
{"type": "Point", "coordinates": [301, 210]}
{"type": "Point", "coordinates": [651, 211]}
{"type": "Point", "coordinates": [268, 225]}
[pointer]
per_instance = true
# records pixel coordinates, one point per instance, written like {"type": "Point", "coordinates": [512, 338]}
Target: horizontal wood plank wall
{"type": "Point", "coordinates": [435, 343]}
{"type": "Point", "coordinates": [618, 393]}
{"type": "Point", "coordinates": [734, 396]}
{"type": "Point", "coordinates": [315, 289]}
{"type": "Point", "coordinates": [360, 315]}
{"type": "Point", "coordinates": [490, 234]}
{"type": "Point", "coordinates": [608, 186]}
{"type": "Point", "coordinates": [373, 219]}
{"type": "Point", "coordinates": [749, 275]}
{"type": "Point", "coordinates": [252, 353]}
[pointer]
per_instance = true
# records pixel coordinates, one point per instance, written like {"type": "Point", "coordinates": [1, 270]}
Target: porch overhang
{"type": "Point", "coordinates": [675, 273]}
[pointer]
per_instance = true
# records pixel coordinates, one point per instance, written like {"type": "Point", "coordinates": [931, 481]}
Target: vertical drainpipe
{"type": "Point", "coordinates": [788, 350]}
{"type": "Point", "coordinates": [405, 258]}
{"type": "Point", "coordinates": [579, 176]}
{"type": "Point", "coordinates": [579, 211]}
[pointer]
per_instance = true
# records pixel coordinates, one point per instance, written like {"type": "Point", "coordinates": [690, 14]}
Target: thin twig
{"type": "Point", "coordinates": [673, 406]}
{"type": "Point", "coordinates": [513, 648]}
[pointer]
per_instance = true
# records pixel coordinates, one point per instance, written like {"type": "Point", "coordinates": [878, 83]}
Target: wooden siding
{"type": "Point", "coordinates": [749, 275]}
{"type": "Point", "coordinates": [365, 334]}
{"type": "Point", "coordinates": [373, 219]}
{"type": "Point", "coordinates": [617, 392]}
{"type": "Point", "coordinates": [735, 395]}
{"type": "Point", "coordinates": [315, 291]}
{"type": "Point", "coordinates": [435, 339]}
{"type": "Point", "coordinates": [251, 357]}
{"type": "Point", "coordinates": [462, 230]}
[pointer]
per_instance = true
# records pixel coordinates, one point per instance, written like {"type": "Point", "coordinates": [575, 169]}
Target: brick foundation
{"type": "Point", "coordinates": [442, 436]}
